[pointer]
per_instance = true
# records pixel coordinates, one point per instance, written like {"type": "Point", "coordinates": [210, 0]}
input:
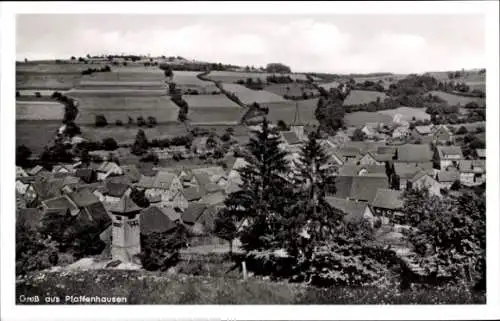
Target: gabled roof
{"type": "Point", "coordinates": [132, 172]}
{"type": "Point", "coordinates": [353, 170]}
{"type": "Point", "coordinates": [361, 188]}
{"type": "Point", "coordinates": [233, 185]}
{"type": "Point", "coordinates": [414, 153]}
{"type": "Point", "coordinates": [125, 206]}
{"type": "Point", "coordinates": [85, 174]}
{"type": "Point", "coordinates": [164, 180]}
{"type": "Point", "coordinates": [107, 166]}
{"type": "Point", "coordinates": [290, 138]}
{"type": "Point", "coordinates": [146, 182]}
{"type": "Point", "coordinates": [116, 189]}
{"type": "Point", "coordinates": [192, 194]}
{"type": "Point", "coordinates": [62, 202]}
{"type": "Point", "coordinates": [212, 188]}
{"type": "Point", "coordinates": [193, 212]}
{"type": "Point", "coordinates": [472, 166]}
{"type": "Point", "coordinates": [388, 199]}
{"type": "Point", "coordinates": [35, 170]}
{"type": "Point", "coordinates": [25, 179]}
{"type": "Point", "coordinates": [83, 197]}
{"type": "Point", "coordinates": [407, 170]}
{"type": "Point", "coordinates": [424, 130]}
{"type": "Point", "coordinates": [98, 214]}
{"type": "Point", "coordinates": [202, 178]}
{"type": "Point", "coordinates": [449, 152]}
{"type": "Point", "coordinates": [154, 220]}
{"type": "Point", "coordinates": [213, 198]}
{"type": "Point", "coordinates": [481, 152]}
{"type": "Point", "coordinates": [354, 210]}
{"type": "Point", "coordinates": [447, 176]}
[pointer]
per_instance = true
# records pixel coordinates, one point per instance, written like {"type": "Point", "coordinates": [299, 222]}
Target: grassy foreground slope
{"type": "Point", "coordinates": [141, 287]}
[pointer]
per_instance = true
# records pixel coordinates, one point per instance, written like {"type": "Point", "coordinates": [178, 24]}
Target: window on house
{"type": "Point", "coordinates": [119, 218]}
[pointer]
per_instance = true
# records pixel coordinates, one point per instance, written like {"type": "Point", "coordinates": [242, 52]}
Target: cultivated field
{"type": "Point", "coordinates": [212, 109]}
{"type": "Point", "coordinates": [53, 68]}
{"type": "Point", "coordinates": [360, 118]}
{"type": "Point", "coordinates": [249, 96]}
{"type": "Point", "coordinates": [407, 113]}
{"type": "Point", "coordinates": [286, 111]}
{"type": "Point", "coordinates": [121, 107]}
{"type": "Point", "coordinates": [32, 92]}
{"type": "Point", "coordinates": [233, 76]}
{"type": "Point", "coordinates": [185, 80]}
{"type": "Point", "coordinates": [125, 75]}
{"type": "Point", "coordinates": [77, 93]}
{"type": "Point", "coordinates": [158, 85]}
{"type": "Point", "coordinates": [452, 99]}
{"type": "Point", "coordinates": [126, 134]}
{"type": "Point", "coordinates": [39, 110]}
{"type": "Point", "coordinates": [40, 81]}
{"type": "Point", "coordinates": [291, 90]}
{"type": "Point", "coordinates": [358, 97]}
{"type": "Point", "coordinates": [35, 134]}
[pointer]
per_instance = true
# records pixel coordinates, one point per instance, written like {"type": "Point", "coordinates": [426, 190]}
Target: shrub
{"type": "Point", "coordinates": [118, 122]}
{"type": "Point", "coordinates": [109, 144]}
{"type": "Point", "coordinates": [38, 95]}
{"type": "Point", "coordinates": [100, 121]}
{"type": "Point", "coordinates": [462, 131]}
{"type": "Point", "coordinates": [140, 121]}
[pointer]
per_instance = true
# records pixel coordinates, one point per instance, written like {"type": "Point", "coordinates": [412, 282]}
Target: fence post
{"type": "Point", "coordinates": [244, 268]}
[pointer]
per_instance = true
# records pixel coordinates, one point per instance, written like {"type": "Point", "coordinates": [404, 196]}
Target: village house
{"type": "Point", "coordinates": [442, 135]}
{"type": "Point", "coordinates": [158, 220]}
{"type": "Point", "coordinates": [472, 172]}
{"type": "Point", "coordinates": [423, 180]}
{"type": "Point", "coordinates": [192, 194]}
{"type": "Point", "coordinates": [401, 132]}
{"type": "Point", "coordinates": [447, 177]}
{"type": "Point", "coordinates": [448, 156]}
{"type": "Point", "coordinates": [42, 189]}
{"type": "Point", "coordinates": [347, 155]}
{"type": "Point", "coordinates": [22, 183]}
{"type": "Point", "coordinates": [355, 212]}
{"type": "Point", "coordinates": [359, 188]}
{"type": "Point", "coordinates": [63, 168]}
{"type": "Point", "coordinates": [131, 172]}
{"type": "Point", "coordinates": [414, 153]}
{"type": "Point", "coordinates": [35, 170]}
{"type": "Point", "coordinates": [165, 184]}
{"type": "Point", "coordinates": [358, 170]}
{"type": "Point", "coordinates": [87, 175]}
{"type": "Point", "coordinates": [424, 134]}
{"type": "Point", "coordinates": [20, 172]}
{"type": "Point", "coordinates": [107, 169]}
{"type": "Point", "coordinates": [480, 153]}
{"type": "Point", "coordinates": [406, 171]}
{"type": "Point", "coordinates": [114, 192]}
{"type": "Point", "coordinates": [388, 203]}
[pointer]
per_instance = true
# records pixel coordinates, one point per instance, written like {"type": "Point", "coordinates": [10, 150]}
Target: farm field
{"type": "Point", "coordinates": [329, 85]}
{"type": "Point", "coordinates": [86, 84]}
{"type": "Point", "coordinates": [35, 134]}
{"type": "Point", "coordinates": [185, 80]}
{"type": "Point", "coordinates": [39, 110]}
{"type": "Point", "coordinates": [41, 81]}
{"type": "Point", "coordinates": [407, 113]}
{"type": "Point", "coordinates": [121, 107]}
{"type": "Point", "coordinates": [249, 96]}
{"type": "Point", "coordinates": [358, 97]}
{"type": "Point", "coordinates": [31, 92]}
{"type": "Point", "coordinates": [233, 76]}
{"type": "Point", "coordinates": [76, 93]}
{"type": "Point", "coordinates": [212, 109]}
{"type": "Point", "coordinates": [126, 134]}
{"type": "Point", "coordinates": [53, 68]}
{"type": "Point", "coordinates": [286, 111]}
{"type": "Point", "coordinates": [452, 99]}
{"type": "Point", "coordinates": [125, 75]}
{"type": "Point", "coordinates": [360, 118]}
{"type": "Point", "coordinates": [292, 90]}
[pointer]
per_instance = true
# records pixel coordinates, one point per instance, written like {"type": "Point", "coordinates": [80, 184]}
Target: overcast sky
{"type": "Point", "coordinates": [323, 43]}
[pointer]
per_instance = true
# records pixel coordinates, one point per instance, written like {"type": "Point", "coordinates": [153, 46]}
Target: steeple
{"type": "Point", "coordinates": [297, 127]}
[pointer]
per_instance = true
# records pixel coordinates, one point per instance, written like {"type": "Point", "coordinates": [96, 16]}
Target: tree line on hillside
{"type": "Point", "coordinates": [150, 121]}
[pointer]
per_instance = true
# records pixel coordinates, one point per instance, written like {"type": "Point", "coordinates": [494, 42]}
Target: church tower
{"type": "Point", "coordinates": [297, 127]}
{"type": "Point", "coordinates": [126, 243]}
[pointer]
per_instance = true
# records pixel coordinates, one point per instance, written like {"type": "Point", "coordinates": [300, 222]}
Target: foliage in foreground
{"type": "Point", "coordinates": [141, 287]}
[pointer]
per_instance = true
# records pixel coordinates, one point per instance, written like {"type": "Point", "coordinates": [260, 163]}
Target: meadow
{"type": "Point", "coordinates": [234, 76]}
{"type": "Point", "coordinates": [452, 99]}
{"type": "Point", "coordinates": [36, 134]}
{"type": "Point", "coordinates": [121, 107]}
{"type": "Point", "coordinates": [212, 109]}
{"type": "Point", "coordinates": [78, 93]}
{"type": "Point", "coordinates": [188, 80]}
{"type": "Point", "coordinates": [407, 113]}
{"type": "Point", "coordinates": [358, 97]}
{"type": "Point", "coordinates": [249, 96]}
{"type": "Point", "coordinates": [286, 111]}
{"type": "Point", "coordinates": [330, 85]}
{"type": "Point", "coordinates": [125, 75]}
{"type": "Point", "coordinates": [39, 110]}
{"type": "Point", "coordinates": [360, 118]}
